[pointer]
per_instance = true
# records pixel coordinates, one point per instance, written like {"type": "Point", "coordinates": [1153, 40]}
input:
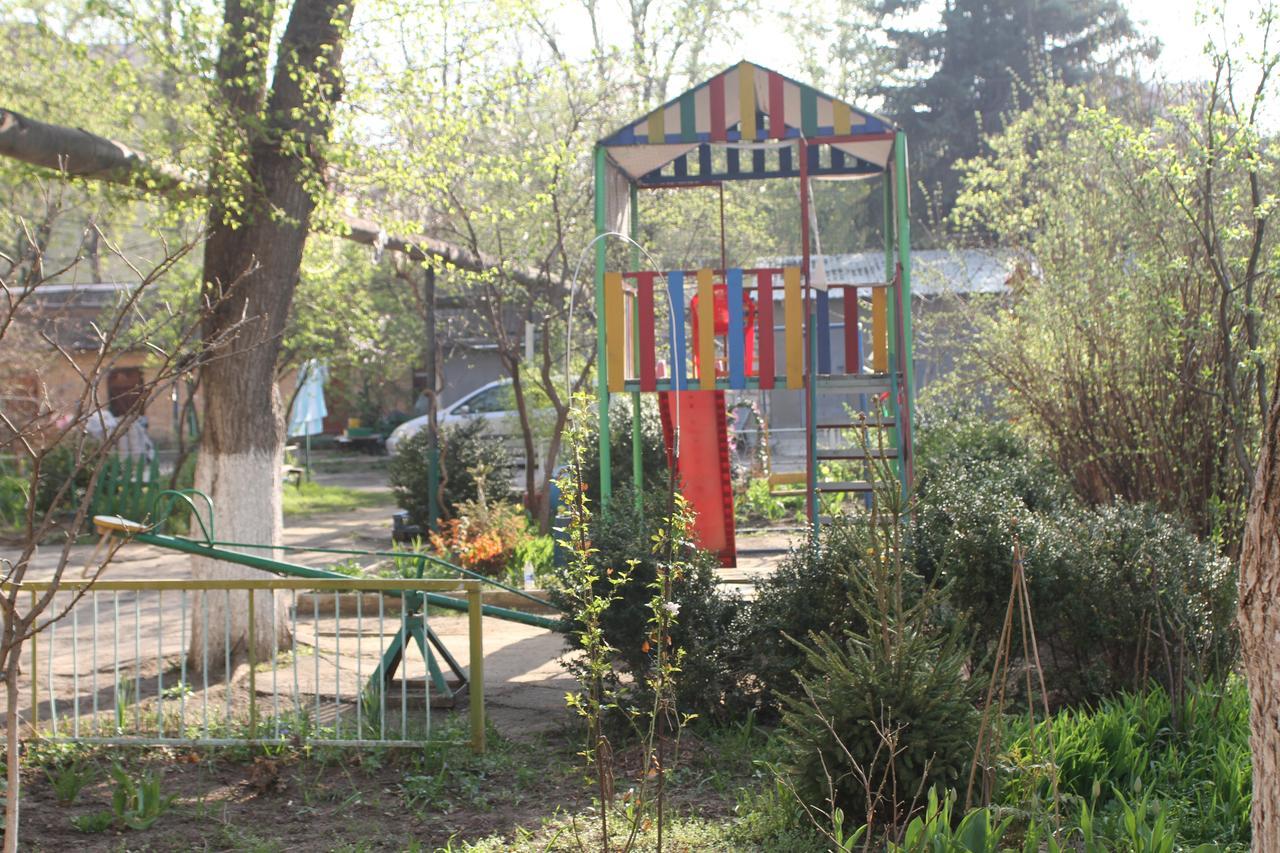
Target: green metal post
{"type": "Point", "coordinates": [904, 258]}
{"type": "Point", "coordinates": [637, 454]}
{"type": "Point", "coordinates": [888, 197]}
{"type": "Point", "coordinates": [602, 372]}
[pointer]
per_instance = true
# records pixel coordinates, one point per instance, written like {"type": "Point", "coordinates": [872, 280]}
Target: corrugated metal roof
{"type": "Point", "coordinates": [934, 272]}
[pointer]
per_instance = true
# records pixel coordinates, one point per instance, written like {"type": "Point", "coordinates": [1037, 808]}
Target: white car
{"type": "Point", "coordinates": [495, 403]}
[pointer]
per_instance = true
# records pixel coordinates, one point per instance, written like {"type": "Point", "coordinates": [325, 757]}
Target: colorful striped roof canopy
{"type": "Point", "coordinates": [723, 130]}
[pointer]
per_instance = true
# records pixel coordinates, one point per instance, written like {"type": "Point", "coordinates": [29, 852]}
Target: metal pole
{"type": "Point", "coordinates": [602, 381]}
{"type": "Point", "coordinates": [904, 259]}
{"type": "Point", "coordinates": [430, 367]}
{"type": "Point", "coordinates": [890, 202]}
{"type": "Point", "coordinates": [810, 395]}
{"type": "Point", "coordinates": [637, 453]}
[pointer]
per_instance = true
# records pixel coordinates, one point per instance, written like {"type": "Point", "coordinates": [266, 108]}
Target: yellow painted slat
{"type": "Point", "coordinates": [706, 331]}
{"type": "Point", "coordinates": [657, 126]}
{"type": "Point", "coordinates": [880, 330]}
{"type": "Point", "coordinates": [843, 118]}
{"type": "Point", "coordinates": [614, 331]}
{"type": "Point", "coordinates": [747, 98]}
{"type": "Point", "coordinates": [793, 315]}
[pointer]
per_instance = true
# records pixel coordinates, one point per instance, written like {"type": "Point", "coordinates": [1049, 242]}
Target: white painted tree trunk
{"type": "Point", "coordinates": [246, 492]}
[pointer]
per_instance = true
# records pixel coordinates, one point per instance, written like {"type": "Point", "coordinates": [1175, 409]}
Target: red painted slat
{"type": "Point", "coordinates": [648, 357]}
{"type": "Point", "coordinates": [777, 120]}
{"type": "Point", "coordinates": [718, 127]}
{"type": "Point", "coordinates": [852, 357]}
{"type": "Point", "coordinates": [764, 325]}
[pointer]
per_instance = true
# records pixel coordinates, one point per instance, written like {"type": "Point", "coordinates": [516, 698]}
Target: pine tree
{"type": "Point", "coordinates": [985, 59]}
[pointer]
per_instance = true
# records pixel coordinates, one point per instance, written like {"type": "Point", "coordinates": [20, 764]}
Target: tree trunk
{"type": "Point", "coordinates": [1259, 620]}
{"type": "Point", "coordinates": [258, 226]}
{"type": "Point", "coordinates": [13, 764]}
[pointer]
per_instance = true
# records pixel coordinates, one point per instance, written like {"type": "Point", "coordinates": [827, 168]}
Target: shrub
{"type": "Point", "coordinates": [538, 551]}
{"type": "Point", "coordinates": [810, 592]}
{"type": "Point", "coordinates": [653, 448]}
{"type": "Point", "coordinates": [885, 710]}
{"type": "Point", "coordinates": [485, 535]}
{"type": "Point", "coordinates": [757, 502]}
{"type": "Point", "coordinates": [622, 535]}
{"type": "Point", "coordinates": [1119, 593]}
{"type": "Point", "coordinates": [57, 467]}
{"type": "Point", "coordinates": [13, 500]}
{"type": "Point", "coordinates": [465, 451]}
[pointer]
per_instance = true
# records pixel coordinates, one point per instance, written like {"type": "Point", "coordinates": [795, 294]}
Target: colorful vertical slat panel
{"type": "Point", "coordinates": [747, 99]}
{"type": "Point", "coordinates": [688, 119]}
{"type": "Point", "coordinates": [719, 131]}
{"type": "Point", "coordinates": [675, 297]}
{"type": "Point", "coordinates": [852, 352]}
{"type": "Point", "coordinates": [777, 117]}
{"type": "Point", "coordinates": [615, 336]}
{"type": "Point", "coordinates": [880, 330]}
{"type": "Point", "coordinates": [824, 331]}
{"type": "Point", "coordinates": [737, 330]}
{"type": "Point", "coordinates": [764, 328]}
{"type": "Point", "coordinates": [842, 118]}
{"type": "Point", "coordinates": [648, 351]}
{"type": "Point", "coordinates": [808, 112]}
{"type": "Point", "coordinates": [793, 318]}
{"type": "Point", "coordinates": [657, 126]}
{"type": "Point", "coordinates": [706, 331]}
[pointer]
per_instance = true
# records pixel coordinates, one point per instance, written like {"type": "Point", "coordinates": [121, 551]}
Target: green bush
{"type": "Point", "coordinates": [705, 624]}
{"type": "Point", "coordinates": [757, 503]}
{"type": "Point", "coordinates": [464, 449]}
{"type": "Point", "coordinates": [885, 711]}
{"type": "Point", "coordinates": [13, 499]}
{"type": "Point", "coordinates": [58, 466]}
{"type": "Point", "coordinates": [810, 592]}
{"type": "Point", "coordinates": [652, 447]}
{"type": "Point", "coordinates": [1119, 593]}
{"type": "Point", "coordinates": [539, 551]}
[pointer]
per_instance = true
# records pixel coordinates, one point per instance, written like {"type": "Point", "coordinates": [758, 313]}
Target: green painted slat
{"type": "Point", "coordinates": [809, 112]}
{"type": "Point", "coordinates": [688, 118]}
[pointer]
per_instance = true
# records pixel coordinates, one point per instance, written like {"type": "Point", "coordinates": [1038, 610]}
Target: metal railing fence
{"type": "Point", "coordinates": [121, 666]}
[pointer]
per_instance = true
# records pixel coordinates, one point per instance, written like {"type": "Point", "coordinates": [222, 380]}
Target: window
{"type": "Point", "coordinates": [499, 399]}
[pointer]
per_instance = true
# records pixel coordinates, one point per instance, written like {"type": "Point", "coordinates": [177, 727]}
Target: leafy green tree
{"type": "Point", "coordinates": [1136, 340]}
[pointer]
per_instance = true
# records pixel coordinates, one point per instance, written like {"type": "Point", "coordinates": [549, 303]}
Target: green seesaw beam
{"type": "Point", "coordinates": [281, 567]}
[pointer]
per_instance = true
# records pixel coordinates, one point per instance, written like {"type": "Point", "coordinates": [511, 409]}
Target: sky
{"type": "Point", "coordinates": [1173, 22]}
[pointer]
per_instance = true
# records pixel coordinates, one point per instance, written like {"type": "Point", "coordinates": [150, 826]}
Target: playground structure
{"type": "Point", "coordinates": [751, 123]}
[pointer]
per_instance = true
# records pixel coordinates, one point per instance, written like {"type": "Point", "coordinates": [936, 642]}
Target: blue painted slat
{"type": "Point", "coordinates": [824, 332]}
{"type": "Point", "coordinates": [675, 295]}
{"type": "Point", "coordinates": [737, 331]}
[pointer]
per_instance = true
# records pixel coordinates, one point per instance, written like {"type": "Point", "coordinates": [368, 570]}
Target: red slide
{"type": "Point", "coordinates": [703, 465]}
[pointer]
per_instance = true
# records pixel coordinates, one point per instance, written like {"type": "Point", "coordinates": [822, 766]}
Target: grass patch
{"type": "Point", "coordinates": [314, 498]}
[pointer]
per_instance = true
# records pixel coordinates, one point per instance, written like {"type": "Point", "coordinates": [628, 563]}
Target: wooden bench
{"type": "Point", "coordinates": [789, 478]}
